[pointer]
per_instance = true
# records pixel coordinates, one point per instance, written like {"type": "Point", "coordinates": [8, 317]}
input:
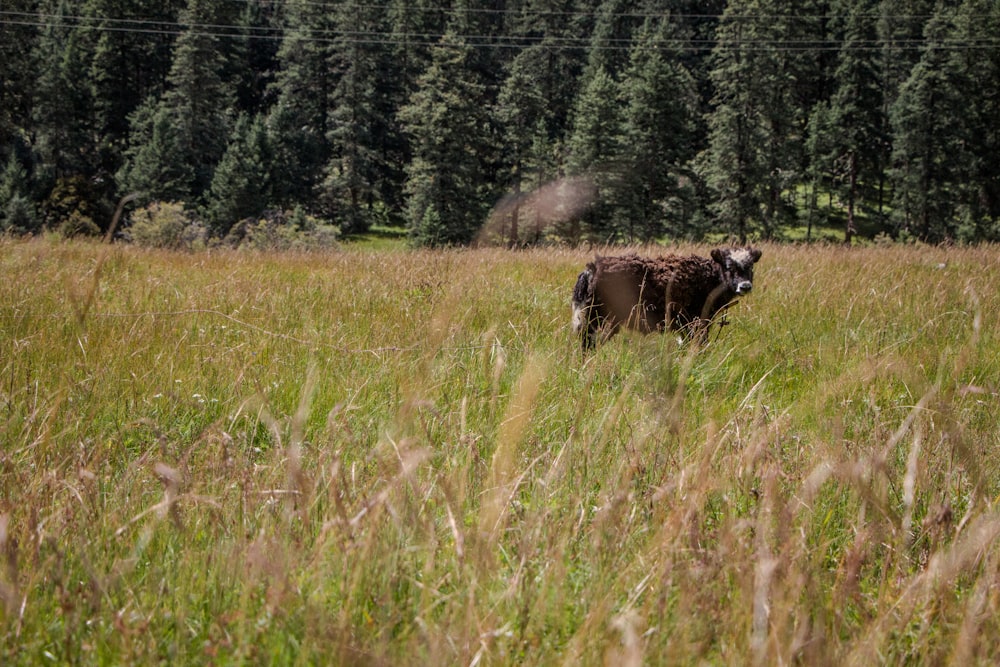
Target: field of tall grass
{"type": "Point", "coordinates": [402, 457]}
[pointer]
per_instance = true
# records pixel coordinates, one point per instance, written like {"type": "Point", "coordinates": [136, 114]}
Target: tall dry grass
{"type": "Point", "coordinates": [403, 457]}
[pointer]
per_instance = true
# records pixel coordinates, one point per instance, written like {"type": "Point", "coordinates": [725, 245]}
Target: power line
{"type": "Point", "coordinates": [521, 12]}
{"type": "Point", "coordinates": [330, 36]}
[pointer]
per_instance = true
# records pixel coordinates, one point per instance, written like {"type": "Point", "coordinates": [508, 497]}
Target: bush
{"type": "Point", "coordinates": [77, 224]}
{"type": "Point", "coordinates": [281, 230]}
{"type": "Point", "coordinates": [165, 225]}
{"type": "Point", "coordinates": [71, 208]}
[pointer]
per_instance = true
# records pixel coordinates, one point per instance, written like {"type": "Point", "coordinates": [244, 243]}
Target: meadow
{"type": "Point", "coordinates": [402, 457]}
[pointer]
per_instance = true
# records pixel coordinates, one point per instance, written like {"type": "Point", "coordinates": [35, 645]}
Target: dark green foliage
{"type": "Point", "coordinates": [358, 122]}
{"type": "Point", "coordinates": [174, 153]}
{"type": "Point", "coordinates": [299, 120]}
{"type": "Point", "coordinates": [524, 116]}
{"type": "Point", "coordinates": [63, 130]}
{"type": "Point", "coordinates": [976, 72]}
{"type": "Point", "coordinates": [594, 147]}
{"type": "Point", "coordinates": [944, 127]}
{"type": "Point", "coordinates": [126, 67]}
{"type": "Point", "coordinates": [155, 165]}
{"type": "Point", "coordinates": [17, 211]}
{"type": "Point", "coordinates": [929, 153]}
{"type": "Point", "coordinates": [659, 123]}
{"type": "Point", "coordinates": [449, 131]}
{"type": "Point", "coordinates": [18, 70]}
{"type": "Point", "coordinates": [683, 118]}
{"type": "Point", "coordinates": [853, 150]}
{"type": "Point", "coordinates": [241, 185]}
{"type": "Point", "coordinates": [755, 132]}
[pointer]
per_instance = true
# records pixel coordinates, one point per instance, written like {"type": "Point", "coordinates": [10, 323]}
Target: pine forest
{"type": "Point", "coordinates": [512, 122]}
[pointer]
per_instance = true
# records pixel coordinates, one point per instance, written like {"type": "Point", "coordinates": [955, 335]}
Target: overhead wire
{"type": "Point", "coordinates": [377, 37]}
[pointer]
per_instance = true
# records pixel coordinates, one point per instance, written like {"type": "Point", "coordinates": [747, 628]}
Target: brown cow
{"type": "Point", "coordinates": [648, 294]}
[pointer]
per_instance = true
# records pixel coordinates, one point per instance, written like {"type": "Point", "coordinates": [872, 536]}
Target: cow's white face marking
{"type": "Point", "coordinates": [737, 264]}
{"type": "Point", "coordinates": [742, 257]}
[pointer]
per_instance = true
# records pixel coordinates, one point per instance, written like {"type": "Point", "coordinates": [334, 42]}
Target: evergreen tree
{"type": "Point", "coordinates": [127, 67]}
{"type": "Point", "coordinates": [554, 61]}
{"type": "Point", "coordinates": [753, 153]}
{"type": "Point", "coordinates": [17, 213]}
{"type": "Point", "coordinates": [62, 126]}
{"type": "Point", "coordinates": [900, 34]}
{"type": "Point", "coordinates": [191, 120]}
{"type": "Point", "coordinates": [155, 166]}
{"type": "Point", "coordinates": [241, 183]}
{"type": "Point", "coordinates": [534, 105]}
{"type": "Point", "coordinates": [974, 65]}
{"type": "Point", "coordinates": [930, 158]}
{"type": "Point", "coordinates": [412, 27]}
{"type": "Point", "coordinates": [299, 121]}
{"type": "Point", "coordinates": [660, 117]}
{"type": "Point", "coordinates": [62, 115]}
{"type": "Point", "coordinates": [354, 168]}
{"type": "Point", "coordinates": [858, 145]}
{"type": "Point", "coordinates": [819, 149]}
{"type": "Point", "coordinates": [523, 116]}
{"type": "Point", "coordinates": [448, 127]}
{"type": "Point", "coordinates": [18, 73]}
{"type": "Point", "coordinates": [251, 52]}
{"type": "Point", "coordinates": [594, 148]}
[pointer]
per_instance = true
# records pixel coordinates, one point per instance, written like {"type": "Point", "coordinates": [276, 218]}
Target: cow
{"type": "Point", "coordinates": [651, 294]}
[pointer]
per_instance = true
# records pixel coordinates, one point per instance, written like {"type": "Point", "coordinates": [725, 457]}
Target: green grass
{"type": "Point", "coordinates": [379, 238]}
{"type": "Point", "coordinates": [402, 457]}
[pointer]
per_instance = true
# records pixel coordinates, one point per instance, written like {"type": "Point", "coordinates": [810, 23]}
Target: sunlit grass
{"type": "Point", "coordinates": [402, 456]}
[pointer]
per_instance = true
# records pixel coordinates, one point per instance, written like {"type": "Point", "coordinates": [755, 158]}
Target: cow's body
{"type": "Point", "coordinates": [649, 294]}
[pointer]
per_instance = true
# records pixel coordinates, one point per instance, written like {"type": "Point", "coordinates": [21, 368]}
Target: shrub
{"type": "Point", "coordinates": [165, 225]}
{"type": "Point", "coordinates": [282, 230]}
{"type": "Point", "coordinates": [77, 224]}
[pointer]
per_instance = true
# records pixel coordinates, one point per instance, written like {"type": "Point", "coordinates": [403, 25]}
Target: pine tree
{"type": "Point", "coordinates": [191, 120]}
{"type": "Point", "coordinates": [754, 153]}
{"type": "Point", "coordinates": [659, 124]}
{"type": "Point", "coordinates": [241, 183]}
{"type": "Point", "coordinates": [299, 121]}
{"type": "Point", "coordinates": [155, 166]}
{"type": "Point", "coordinates": [523, 116]}
{"type": "Point", "coordinates": [17, 213]}
{"type": "Point", "coordinates": [858, 145]}
{"type": "Point", "coordinates": [534, 105]}
{"type": "Point", "coordinates": [412, 29]}
{"type": "Point", "coordinates": [975, 68]}
{"type": "Point", "coordinates": [594, 148]}
{"type": "Point", "coordinates": [251, 52]}
{"type": "Point", "coordinates": [63, 105]}
{"type": "Point", "coordinates": [127, 67]}
{"type": "Point", "coordinates": [62, 127]}
{"type": "Point", "coordinates": [448, 127]}
{"type": "Point", "coordinates": [18, 73]}
{"type": "Point", "coordinates": [930, 159]}
{"type": "Point", "coordinates": [354, 169]}
{"type": "Point", "coordinates": [900, 27]}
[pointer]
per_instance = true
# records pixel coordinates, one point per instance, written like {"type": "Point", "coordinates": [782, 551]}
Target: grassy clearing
{"type": "Point", "coordinates": [401, 457]}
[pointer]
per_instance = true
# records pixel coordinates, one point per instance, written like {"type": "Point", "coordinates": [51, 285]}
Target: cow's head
{"type": "Point", "coordinates": [737, 267]}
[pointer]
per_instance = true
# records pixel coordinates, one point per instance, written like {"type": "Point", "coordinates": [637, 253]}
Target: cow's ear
{"type": "Point", "coordinates": [755, 255]}
{"type": "Point", "coordinates": [719, 256]}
